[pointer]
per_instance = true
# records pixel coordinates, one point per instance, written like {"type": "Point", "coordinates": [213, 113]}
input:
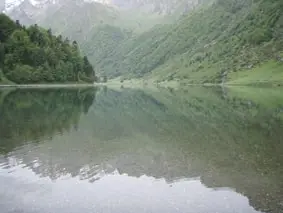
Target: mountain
{"type": "Point", "coordinates": [152, 6]}
{"type": "Point", "coordinates": [137, 15]}
{"type": "Point", "coordinates": [195, 41]}
{"type": "Point", "coordinates": [77, 19]}
{"type": "Point", "coordinates": [156, 6]}
{"type": "Point", "coordinates": [99, 26]}
{"type": "Point", "coordinates": [224, 41]}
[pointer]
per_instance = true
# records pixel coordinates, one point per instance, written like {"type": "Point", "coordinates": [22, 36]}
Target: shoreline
{"type": "Point", "coordinates": [45, 85]}
{"type": "Point", "coordinates": [136, 83]}
{"type": "Point", "coordinates": [141, 83]}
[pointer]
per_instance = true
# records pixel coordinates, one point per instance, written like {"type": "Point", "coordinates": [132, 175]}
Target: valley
{"type": "Point", "coordinates": [140, 106]}
{"type": "Point", "coordinates": [187, 42]}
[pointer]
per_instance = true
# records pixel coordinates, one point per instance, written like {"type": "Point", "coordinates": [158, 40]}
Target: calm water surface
{"type": "Point", "coordinates": [201, 150]}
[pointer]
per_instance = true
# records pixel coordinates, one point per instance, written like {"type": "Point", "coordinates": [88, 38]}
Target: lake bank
{"type": "Point", "coordinates": [253, 78]}
{"type": "Point", "coordinates": [138, 84]}
{"type": "Point", "coordinates": [175, 84]}
{"type": "Point", "coordinates": [44, 85]}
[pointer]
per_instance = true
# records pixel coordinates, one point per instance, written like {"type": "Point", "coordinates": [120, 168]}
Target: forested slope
{"type": "Point", "coordinates": [208, 45]}
{"type": "Point", "coordinates": [207, 41]}
{"type": "Point", "coordinates": [35, 55]}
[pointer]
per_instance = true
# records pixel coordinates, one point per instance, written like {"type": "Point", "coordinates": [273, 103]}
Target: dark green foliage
{"type": "Point", "coordinates": [128, 55]}
{"type": "Point", "coordinates": [7, 26]}
{"type": "Point", "coordinates": [87, 67]}
{"type": "Point", "coordinates": [2, 54]}
{"type": "Point", "coordinates": [104, 79]}
{"type": "Point", "coordinates": [34, 55]}
{"type": "Point", "coordinates": [100, 46]}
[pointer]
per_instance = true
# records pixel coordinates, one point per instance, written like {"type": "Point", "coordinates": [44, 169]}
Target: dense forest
{"type": "Point", "coordinates": [34, 55]}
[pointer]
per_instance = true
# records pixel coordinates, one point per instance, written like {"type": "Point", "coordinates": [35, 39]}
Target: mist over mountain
{"type": "Point", "coordinates": [84, 15]}
{"type": "Point", "coordinates": [2, 5]}
{"type": "Point", "coordinates": [154, 6]}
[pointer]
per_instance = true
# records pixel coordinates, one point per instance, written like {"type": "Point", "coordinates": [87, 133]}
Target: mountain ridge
{"type": "Point", "coordinates": [152, 6]}
{"type": "Point", "coordinates": [217, 43]}
{"type": "Point", "coordinates": [210, 43]}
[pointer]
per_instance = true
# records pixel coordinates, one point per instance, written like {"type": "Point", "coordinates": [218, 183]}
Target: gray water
{"type": "Point", "coordinates": [200, 150]}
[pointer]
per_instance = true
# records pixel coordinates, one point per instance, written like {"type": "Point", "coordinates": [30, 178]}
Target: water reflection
{"type": "Point", "coordinates": [35, 115]}
{"type": "Point", "coordinates": [160, 151]}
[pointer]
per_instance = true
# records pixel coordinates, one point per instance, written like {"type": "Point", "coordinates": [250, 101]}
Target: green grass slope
{"type": "Point", "coordinates": [100, 29]}
{"type": "Point", "coordinates": [269, 73]}
{"type": "Point", "coordinates": [207, 46]}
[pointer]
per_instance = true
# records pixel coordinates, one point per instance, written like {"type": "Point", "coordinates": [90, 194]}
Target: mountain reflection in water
{"type": "Point", "coordinates": [205, 149]}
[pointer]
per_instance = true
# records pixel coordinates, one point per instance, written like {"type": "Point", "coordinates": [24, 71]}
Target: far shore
{"type": "Point", "coordinates": [134, 83]}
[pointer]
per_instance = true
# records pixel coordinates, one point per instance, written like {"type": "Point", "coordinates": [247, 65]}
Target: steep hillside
{"type": "Point", "coordinates": [81, 16]}
{"type": "Point", "coordinates": [216, 42]}
{"type": "Point", "coordinates": [35, 55]}
{"type": "Point", "coordinates": [209, 45]}
{"type": "Point", "coordinates": [132, 55]}
{"type": "Point", "coordinates": [157, 6]}
{"type": "Point", "coordinates": [205, 46]}
{"type": "Point", "coordinates": [76, 20]}
{"type": "Point", "coordinates": [101, 28]}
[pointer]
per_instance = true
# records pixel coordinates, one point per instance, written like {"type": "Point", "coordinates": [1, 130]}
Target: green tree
{"type": "Point", "coordinates": [7, 26]}
{"type": "Point", "coordinates": [2, 55]}
{"type": "Point", "coordinates": [88, 69]}
{"type": "Point", "coordinates": [33, 54]}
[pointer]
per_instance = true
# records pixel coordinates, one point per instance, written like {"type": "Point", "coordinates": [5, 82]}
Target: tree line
{"type": "Point", "coordinates": [34, 55]}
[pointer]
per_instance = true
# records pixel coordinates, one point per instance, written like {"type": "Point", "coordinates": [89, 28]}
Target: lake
{"type": "Point", "coordinates": [98, 150]}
